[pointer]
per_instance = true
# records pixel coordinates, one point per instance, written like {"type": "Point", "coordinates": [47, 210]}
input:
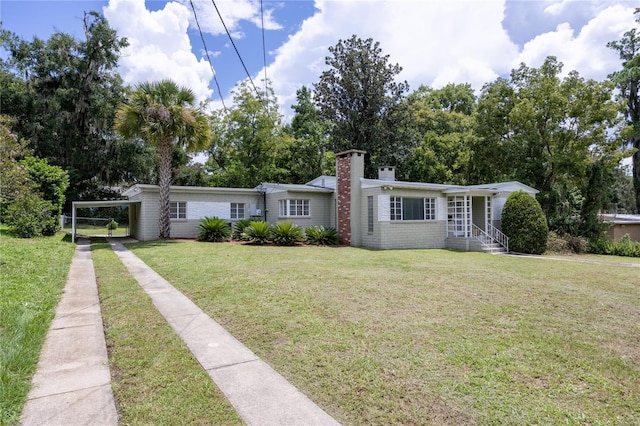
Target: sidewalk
{"type": "Point", "coordinates": [72, 384]}
{"type": "Point", "coordinates": [259, 394]}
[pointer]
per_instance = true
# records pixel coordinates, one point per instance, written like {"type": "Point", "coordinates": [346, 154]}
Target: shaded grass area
{"type": "Point", "coordinates": [155, 378]}
{"type": "Point", "coordinates": [426, 336]}
{"type": "Point", "coordinates": [33, 273]}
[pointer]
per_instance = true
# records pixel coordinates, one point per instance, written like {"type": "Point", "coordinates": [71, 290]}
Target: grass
{"type": "Point", "coordinates": [88, 230]}
{"type": "Point", "coordinates": [33, 273]}
{"type": "Point", "coordinates": [426, 336]}
{"type": "Point", "coordinates": [155, 378]}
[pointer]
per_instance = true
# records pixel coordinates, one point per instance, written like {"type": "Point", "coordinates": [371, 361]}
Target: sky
{"type": "Point", "coordinates": [436, 42]}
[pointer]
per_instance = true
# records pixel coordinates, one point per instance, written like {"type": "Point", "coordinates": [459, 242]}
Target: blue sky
{"type": "Point", "coordinates": [435, 41]}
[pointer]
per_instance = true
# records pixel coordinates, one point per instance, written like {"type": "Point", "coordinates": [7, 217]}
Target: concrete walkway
{"type": "Point", "coordinates": [259, 394]}
{"type": "Point", "coordinates": [72, 384]}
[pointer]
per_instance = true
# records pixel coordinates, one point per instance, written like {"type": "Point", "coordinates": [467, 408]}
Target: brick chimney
{"type": "Point", "coordinates": [349, 170]}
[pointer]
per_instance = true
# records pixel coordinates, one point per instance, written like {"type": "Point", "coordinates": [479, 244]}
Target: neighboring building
{"type": "Point", "coordinates": [622, 224]}
{"type": "Point", "coordinates": [378, 213]}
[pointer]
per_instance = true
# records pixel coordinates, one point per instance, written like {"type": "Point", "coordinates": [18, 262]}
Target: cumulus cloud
{"type": "Point", "coordinates": [159, 47]}
{"type": "Point", "coordinates": [585, 50]}
{"type": "Point", "coordinates": [435, 42]}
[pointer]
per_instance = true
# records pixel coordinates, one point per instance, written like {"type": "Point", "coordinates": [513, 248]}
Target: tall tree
{"type": "Point", "coordinates": [627, 81]}
{"type": "Point", "coordinates": [165, 116]}
{"type": "Point", "coordinates": [249, 140]}
{"type": "Point", "coordinates": [444, 121]}
{"type": "Point", "coordinates": [308, 155]}
{"type": "Point", "coordinates": [548, 129]}
{"type": "Point", "coordinates": [64, 93]}
{"type": "Point", "coordinates": [361, 99]}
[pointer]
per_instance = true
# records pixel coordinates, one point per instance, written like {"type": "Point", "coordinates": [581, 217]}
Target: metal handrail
{"type": "Point", "coordinates": [499, 236]}
{"type": "Point", "coordinates": [494, 235]}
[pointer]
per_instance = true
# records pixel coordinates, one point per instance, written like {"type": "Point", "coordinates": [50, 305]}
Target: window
{"type": "Point", "coordinates": [405, 208]}
{"type": "Point", "coordinates": [294, 208]}
{"type": "Point", "coordinates": [237, 211]}
{"type": "Point", "coordinates": [369, 214]}
{"type": "Point", "coordinates": [177, 210]}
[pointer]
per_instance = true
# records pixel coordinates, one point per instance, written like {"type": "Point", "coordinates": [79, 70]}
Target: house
{"type": "Point", "coordinates": [622, 224]}
{"type": "Point", "coordinates": [378, 213]}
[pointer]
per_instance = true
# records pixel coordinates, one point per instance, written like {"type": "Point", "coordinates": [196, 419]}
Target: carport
{"type": "Point", "coordinates": [92, 204]}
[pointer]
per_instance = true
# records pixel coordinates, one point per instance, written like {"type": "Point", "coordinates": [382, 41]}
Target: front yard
{"type": "Point", "coordinates": [373, 337]}
{"type": "Point", "coordinates": [426, 336]}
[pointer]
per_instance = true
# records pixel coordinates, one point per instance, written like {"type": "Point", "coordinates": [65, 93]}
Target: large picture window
{"type": "Point", "coordinates": [408, 208]}
{"type": "Point", "coordinates": [294, 208]}
{"type": "Point", "coordinates": [177, 210]}
{"type": "Point", "coordinates": [237, 211]}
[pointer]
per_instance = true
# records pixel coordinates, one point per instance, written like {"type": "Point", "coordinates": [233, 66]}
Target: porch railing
{"type": "Point", "coordinates": [492, 235]}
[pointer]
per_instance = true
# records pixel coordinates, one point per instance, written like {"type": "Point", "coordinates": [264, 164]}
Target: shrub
{"type": "Point", "coordinates": [214, 230]}
{"type": "Point", "coordinates": [112, 225]}
{"type": "Point", "coordinates": [321, 236]}
{"type": "Point", "coordinates": [524, 223]}
{"type": "Point", "coordinates": [286, 234]}
{"type": "Point", "coordinates": [30, 216]}
{"type": "Point", "coordinates": [622, 247]}
{"type": "Point", "coordinates": [258, 232]}
{"type": "Point", "coordinates": [239, 227]}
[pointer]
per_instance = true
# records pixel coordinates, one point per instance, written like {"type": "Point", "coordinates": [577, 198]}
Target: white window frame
{"type": "Point", "coordinates": [429, 205]}
{"type": "Point", "coordinates": [177, 210]}
{"type": "Point", "coordinates": [238, 211]}
{"type": "Point", "coordinates": [294, 207]}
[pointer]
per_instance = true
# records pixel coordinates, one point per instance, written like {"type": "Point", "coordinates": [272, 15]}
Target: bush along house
{"type": "Point", "coordinates": [380, 213]}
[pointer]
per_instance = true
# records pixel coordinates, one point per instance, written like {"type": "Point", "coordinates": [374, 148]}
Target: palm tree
{"type": "Point", "coordinates": [164, 115]}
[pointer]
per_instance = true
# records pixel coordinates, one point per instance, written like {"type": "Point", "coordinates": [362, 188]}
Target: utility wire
{"type": "Point", "coordinates": [206, 51]}
{"type": "Point", "coordinates": [264, 49]}
{"type": "Point", "coordinates": [242, 62]}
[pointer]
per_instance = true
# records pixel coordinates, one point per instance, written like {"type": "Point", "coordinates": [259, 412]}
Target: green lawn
{"type": "Point", "coordinates": [427, 336]}
{"type": "Point", "coordinates": [33, 273]}
{"type": "Point", "coordinates": [155, 379]}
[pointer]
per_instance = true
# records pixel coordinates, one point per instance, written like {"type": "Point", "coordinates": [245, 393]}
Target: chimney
{"type": "Point", "coordinates": [349, 170]}
{"type": "Point", "coordinates": [387, 173]}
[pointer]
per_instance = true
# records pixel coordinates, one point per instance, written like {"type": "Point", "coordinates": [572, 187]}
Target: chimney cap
{"type": "Point", "coordinates": [350, 151]}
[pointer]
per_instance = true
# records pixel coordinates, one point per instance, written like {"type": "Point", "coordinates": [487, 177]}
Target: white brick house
{"type": "Point", "coordinates": [378, 213]}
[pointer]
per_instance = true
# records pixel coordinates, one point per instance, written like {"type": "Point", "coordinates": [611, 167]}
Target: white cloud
{"type": "Point", "coordinates": [585, 51]}
{"type": "Point", "coordinates": [159, 47]}
{"type": "Point", "coordinates": [435, 42]}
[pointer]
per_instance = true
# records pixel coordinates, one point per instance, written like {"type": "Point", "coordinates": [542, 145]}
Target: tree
{"type": "Point", "coordinates": [308, 155]}
{"type": "Point", "coordinates": [359, 96]}
{"type": "Point", "coordinates": [249, 140]}
{"type": "Point", "coordinates": [524, 223]}
{"type": "Point", "coordinates": [64, 93]}
{"type": "Point", "coordinates": [444, 122]}
{"type": "Point", "coordinates": [627, 81]}
{"type": "Point", "coordinates": [545, 131]}
{"type": "Point", "coordinates": [165, 116]}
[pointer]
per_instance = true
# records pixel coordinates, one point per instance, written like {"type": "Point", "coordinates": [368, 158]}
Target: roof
{"type": "Point", "coordinates": [281, 187]}
{"type": "Point", "coordinates": [102, 203]}
{"type": "Point", "coordinates": [136, 189]}
{"type": "Point", "coordinates": [621, 219]}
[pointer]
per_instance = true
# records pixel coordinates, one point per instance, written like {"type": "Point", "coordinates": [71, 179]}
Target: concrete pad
{"type": "Point", "coordinates": [72, 384]}
{"type": "Point", "coordinates": [212, 345]}
{"type": "Point", "coordinates": [92, 406]}
{"type": "Point", "coordinates": [264, 397]}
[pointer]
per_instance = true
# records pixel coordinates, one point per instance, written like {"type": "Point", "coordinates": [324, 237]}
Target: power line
{"type": "Point", "coordinates": [242, 61]}
{"type": "Point", "coordinates": [207, 53]}
{"type": "Point", "coordinates": [264, 48]}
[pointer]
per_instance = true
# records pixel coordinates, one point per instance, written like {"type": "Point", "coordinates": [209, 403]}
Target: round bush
{"type": "Point", "coordinates": [525, 224]}
{"type": "Point", "coordinates": [213, 230]}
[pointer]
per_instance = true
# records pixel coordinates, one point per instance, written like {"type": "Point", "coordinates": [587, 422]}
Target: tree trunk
{"type": "Point", "coordinates": [164, 182]}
